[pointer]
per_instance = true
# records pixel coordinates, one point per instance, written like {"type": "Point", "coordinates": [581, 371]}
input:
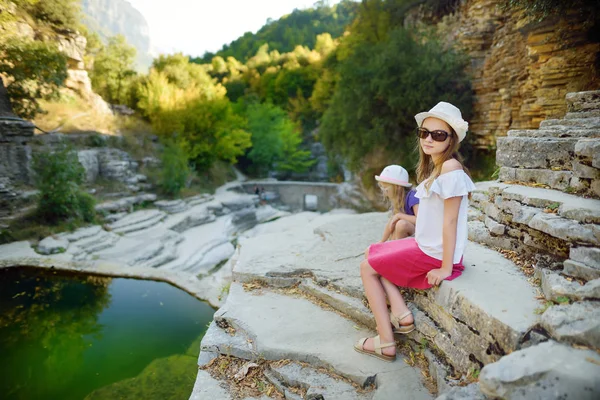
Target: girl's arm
{"type": "Point", "coordinates": [410, 218]}
{"type": "Point", "coordinates": [387, 231]}
{"type": "Point", "coordinates": [451, 207]}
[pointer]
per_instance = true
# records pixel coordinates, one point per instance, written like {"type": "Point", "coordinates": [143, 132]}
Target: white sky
{"type": "Point", "coordinates": [196, 26]}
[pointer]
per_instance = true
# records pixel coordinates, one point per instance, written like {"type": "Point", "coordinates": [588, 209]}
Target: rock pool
{"type": "Point", "coordinates": [67, 336]}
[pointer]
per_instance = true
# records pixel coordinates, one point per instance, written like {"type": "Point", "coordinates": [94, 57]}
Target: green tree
{"type": "Point", "coordinates": [275, 141]}
{"type": "Point", "coordinates": [59, 13]}
{"type": "Point", "coordinates": [35, 70]}
{"type": "Point", "coordinates": [175, 167]}
{"type": "Point", "coordinates": [113, 74]}
{"type": "Point", "coordinates": [381, 85]}
{"type": "Point", "coordinates": [58, 176]}
{"type": "Point", "coordinates": [206, 129]}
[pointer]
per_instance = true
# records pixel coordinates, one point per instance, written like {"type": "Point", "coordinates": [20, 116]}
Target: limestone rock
{"type": "Point", "coordinates": [52, 245]}
{"type": "Point", "coordinates": [580, 270]}
{"type": "Point", "coordinates": [546, 371]}
{"type": "Point", "coordinates": [555, 287]}
{"type": "Point", "coordinates": [206, 387]}
{"type": "Point", "coordinates": [494, 227]}
{"type": "Point", "coordinates": [89, 161]}
{"type": "Point", "coordinates": [318, 383]}
{"type": "Point", "coordinates": [563, 228]}
{"type": "Point", "coordinates": [469, 392]}
{"type": "Point", "coordinates": [586, 255]}
{"type": "Point", "coordinates": [577, 323]}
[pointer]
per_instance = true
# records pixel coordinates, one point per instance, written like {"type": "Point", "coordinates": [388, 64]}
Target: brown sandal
{"type": "Point", "coordinates": [398, 327]}
{"type": "Point", "coordinates": [377, 345]}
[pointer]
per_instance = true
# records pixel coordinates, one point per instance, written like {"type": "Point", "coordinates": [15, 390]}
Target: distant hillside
{"type": "Point", "coordinates": [298, 28]}
{"type": "Point", "coordinates": [112, 17]}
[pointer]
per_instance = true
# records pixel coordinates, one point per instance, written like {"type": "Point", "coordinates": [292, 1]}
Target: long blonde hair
{"type": "Point", "coordinates": [429, 170]}
{"type": "Point", "coordinates": [397, 197]}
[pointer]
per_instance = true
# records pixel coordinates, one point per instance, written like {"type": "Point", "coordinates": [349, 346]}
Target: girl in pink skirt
{"type": "Point", "coordinates": [435, 253]}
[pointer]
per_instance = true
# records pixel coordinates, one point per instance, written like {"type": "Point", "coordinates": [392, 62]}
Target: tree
{"type": "Point", "coordinates": [113, 74]}
{"type": "Point", "coordinates": [35, 70]}
{"type": "Point", "coordinates": [59, 13]}
{"type": "Point", "coordinates": [206, 129]}
{"type": "Point", "coordinates": [275, 141]}
{"type": "Point", "coordinates": [381, 85]}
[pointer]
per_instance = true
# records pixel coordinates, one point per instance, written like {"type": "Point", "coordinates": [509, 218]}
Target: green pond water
{"type": "Point", "coordinates": [73, 337]}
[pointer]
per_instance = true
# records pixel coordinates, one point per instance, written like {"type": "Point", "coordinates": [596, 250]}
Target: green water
{"type": "Point", "coordinates": [69, 337]}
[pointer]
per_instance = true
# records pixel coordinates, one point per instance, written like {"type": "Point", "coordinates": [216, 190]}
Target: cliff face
{"type": "Point", "coordinates": [522, 69]}
{"type": "Point", "coordinates": [114, 17]}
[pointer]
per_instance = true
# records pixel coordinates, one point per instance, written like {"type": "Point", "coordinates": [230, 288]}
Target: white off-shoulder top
{"type": "Point", "coordinates": [430, 218]}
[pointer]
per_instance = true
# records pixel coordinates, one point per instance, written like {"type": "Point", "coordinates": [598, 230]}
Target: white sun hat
{"type": "Point", "coordinates": [448, 113]}
{"type": "Point", "coordinates": [394, 174]}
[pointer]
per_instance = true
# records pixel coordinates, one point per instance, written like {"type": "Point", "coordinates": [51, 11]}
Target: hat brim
{"type": "Point", "coordinates": [458, 126]}
{"type": "Point", "coordinates": [392, 181]}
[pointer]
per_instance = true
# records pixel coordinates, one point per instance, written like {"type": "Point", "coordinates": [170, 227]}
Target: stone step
{"type": "Point", "coordinates": [556, 287]}
{"type": "Point", "coordinates": [137, 221]}
{"type": "Point", "coordinates": [318, 384]}
{"type": "Point", "coordinates": [202, 248]}
{"type": "Point", "coordinates": [583, 114]}
{"type": "Point", "coordinates": [555, 131]}
{"type": "Point", "coordinates": [136, 250]}
{"type": "Point", "coordinates": [274, 326]}
{"type": "Point", "coordinates": [198, 199]}
{"type": "Point", "coordinates": [325, 261]}
{"type": "Point", "coordinates": [172, 206]}
{"type": "Point", "coordinates": [568, 206]}
{"type": "Point", "coordinates": [583, 263]}
{"type": "Point", "coordinates": [125, 204]}
{"type": "Point", "coordinates": [573, 123]}
{"type": "Point", "coordinates": [560, 180]}
{"type": "Point", "coordinates": [532, 374]}
{"type": "Point", "coordinates": [528, 152]}
{"type": "Point", "coordinates": [583, 101]}
{"type": "Point", "coordinates": [534, 219]}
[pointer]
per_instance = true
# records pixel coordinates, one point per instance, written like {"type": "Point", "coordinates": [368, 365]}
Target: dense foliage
{"type": "Point", "coordinates": [58, 176]}
{"type": "Point", "coordinates": [34, 71]}
{"type": "Point", "coordinates": [113, 75]}
{"type": "Point", "coordinates": [300, 28]}
{"type": "Point", "coordinates": [175, 168]}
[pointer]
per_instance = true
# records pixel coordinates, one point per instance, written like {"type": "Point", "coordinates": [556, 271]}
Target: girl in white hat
{"type": "Point", "coordinates": [395, 187]}
{"type": "Point", "coordinates": [435, 253]}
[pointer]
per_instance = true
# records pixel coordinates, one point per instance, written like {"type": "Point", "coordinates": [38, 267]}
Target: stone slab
{"type": "Point", "coordinates": [284, 327]}
{"type": "Point", "coordinates": [206, 387]}
{"type": "Point", "coordinates": [52, 245]}
{"type": "Point", "coordinates": [317, 383]}
{"type": "Point", "coordinates": [546, 371]}
{"type": "Point", "coordinates": [578, 323]}
{"type": "Point", "coordinates": [580, 270]}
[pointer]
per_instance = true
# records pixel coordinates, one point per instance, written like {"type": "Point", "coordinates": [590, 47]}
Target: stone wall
{"type": "Point", "coordinates": [522, 69]}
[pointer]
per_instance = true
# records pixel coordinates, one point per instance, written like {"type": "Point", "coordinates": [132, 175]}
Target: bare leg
{"type": "Point", "coordinates": [376, 296]}
{"type": "Point", "coordinates": [397, 303]}
{"type": "Point", "coordinates": [402, 230]}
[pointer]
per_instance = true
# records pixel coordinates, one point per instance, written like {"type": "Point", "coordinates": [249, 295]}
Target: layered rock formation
{"type": "Point", "coordinates": [522, 69]}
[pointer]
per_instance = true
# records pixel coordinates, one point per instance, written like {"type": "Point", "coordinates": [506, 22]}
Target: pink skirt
{"type": "Point", "coordinates": [403, 263]}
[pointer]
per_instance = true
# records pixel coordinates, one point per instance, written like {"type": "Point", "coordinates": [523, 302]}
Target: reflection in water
{"type": "Point", "coordinates": [63, 336]}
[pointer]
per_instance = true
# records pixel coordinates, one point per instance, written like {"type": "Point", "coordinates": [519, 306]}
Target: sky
{"type": "Point", "coordinates": [196, 26]}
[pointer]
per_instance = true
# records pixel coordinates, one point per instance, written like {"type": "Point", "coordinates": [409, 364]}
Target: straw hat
{"type": "Point", "coordinates": [449, 114]}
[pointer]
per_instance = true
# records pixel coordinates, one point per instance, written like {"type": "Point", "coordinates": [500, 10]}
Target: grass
{"type": "Point", "coordinates": [31, 227]}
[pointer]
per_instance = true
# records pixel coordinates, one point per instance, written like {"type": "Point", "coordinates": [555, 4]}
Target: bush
{"type": "Point", "coordinates": [58, 177]}
{"type": "Point", "coordinates": [175, 168]}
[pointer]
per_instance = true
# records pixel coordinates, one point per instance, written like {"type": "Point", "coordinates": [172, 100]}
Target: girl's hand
{"type": "Point", "coordinates": [436, 276]}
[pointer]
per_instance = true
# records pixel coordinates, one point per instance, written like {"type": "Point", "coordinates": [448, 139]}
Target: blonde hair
{"type": "Point", "coordinates": [429, 170]}
{"type": "Point", "coordinates": [396, 198]}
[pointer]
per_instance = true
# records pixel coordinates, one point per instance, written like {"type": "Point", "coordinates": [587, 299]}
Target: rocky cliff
{"type": "Point", "coordinates": [114, 17]}
{"type": "Point", "coordinates": [522, 68]}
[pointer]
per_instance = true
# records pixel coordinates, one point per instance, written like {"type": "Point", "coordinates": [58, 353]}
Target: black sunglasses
{"type": "Point", "coordinates": [437, 135]}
